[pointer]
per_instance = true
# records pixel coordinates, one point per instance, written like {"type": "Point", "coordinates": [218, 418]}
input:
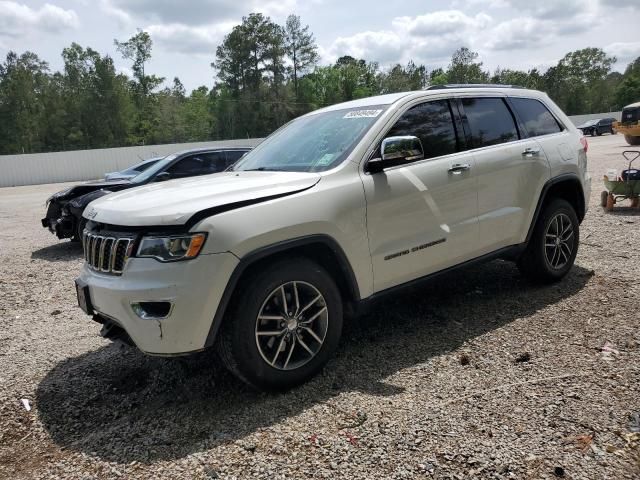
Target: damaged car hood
{"type": "Point", "coordinates": [175, 202]}
{"type": "Point", "coordinates": [89, 187]}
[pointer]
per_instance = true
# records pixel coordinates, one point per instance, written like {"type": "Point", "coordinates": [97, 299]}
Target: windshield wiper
{"type": "Point", "coordinates": [262, 169]}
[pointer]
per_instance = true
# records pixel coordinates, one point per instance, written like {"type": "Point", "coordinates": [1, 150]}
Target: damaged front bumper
{"type": "Point", "coordinates": [163, 308]}
{"type": "Point", "coordinates": [59, 221]}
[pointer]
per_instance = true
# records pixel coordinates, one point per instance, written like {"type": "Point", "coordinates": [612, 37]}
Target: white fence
{"type": "Point", "coordinates": [38, 168]}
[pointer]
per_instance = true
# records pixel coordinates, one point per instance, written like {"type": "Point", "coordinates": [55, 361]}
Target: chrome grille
{"type": "Point", "coordinates": [106, 253]}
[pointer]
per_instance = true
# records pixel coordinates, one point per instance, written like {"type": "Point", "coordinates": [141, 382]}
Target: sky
{"type": "Point", "coordinates": [519, 34]}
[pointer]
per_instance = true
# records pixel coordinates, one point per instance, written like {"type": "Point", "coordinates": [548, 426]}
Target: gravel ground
{"type": "Point", "coordinates": [478, 375]}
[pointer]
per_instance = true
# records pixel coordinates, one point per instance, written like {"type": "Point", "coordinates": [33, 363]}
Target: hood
{"type": "Point", "coordinates": [175, 202]}
{"type": "Point", "coordinates": [85, 188]}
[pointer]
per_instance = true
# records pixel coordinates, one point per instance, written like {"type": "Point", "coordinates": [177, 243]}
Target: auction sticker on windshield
{"type": "Point", "coordinates": [363, 114]}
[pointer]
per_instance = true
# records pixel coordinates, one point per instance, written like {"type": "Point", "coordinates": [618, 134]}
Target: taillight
{"type": "Point", "coordinates": [585, 144]}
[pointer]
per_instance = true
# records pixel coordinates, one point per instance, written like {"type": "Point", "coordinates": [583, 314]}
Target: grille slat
{"type": "Point", "coordinates": [107, 254]}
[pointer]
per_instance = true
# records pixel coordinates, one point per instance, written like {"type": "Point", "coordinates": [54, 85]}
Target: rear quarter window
{"type": "Point", "coordinates": [490, 121]}
{"type": "Point", "coordinates": [537, 119]}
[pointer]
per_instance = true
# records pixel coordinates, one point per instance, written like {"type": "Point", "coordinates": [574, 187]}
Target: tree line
{"type": "Point", "coordinates": [267, 74]}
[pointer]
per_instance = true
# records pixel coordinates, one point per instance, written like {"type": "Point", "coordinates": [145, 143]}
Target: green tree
{"type": "Point", "coordinates": [578, 81]}
{"type": "Point", "coordinates": [628, 89]}
{"type": "Point", "coordinates": [504, 76]}
{"type": "Point", "coordinates": [402, 79]}
{"type": "Point", "coordinates": [98, 107]}
{"type": "Point", "coordinates": [23, 81]}
{"type": "Point", "coordinates": [465, 69]}
{"type": "Point", "coordinates": [138, 49]}
{"type": "Point", "coordinates": [300, 47]}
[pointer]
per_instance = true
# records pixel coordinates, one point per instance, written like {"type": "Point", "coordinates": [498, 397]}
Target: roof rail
{"type": "Point", "coordinates": [470, 85]}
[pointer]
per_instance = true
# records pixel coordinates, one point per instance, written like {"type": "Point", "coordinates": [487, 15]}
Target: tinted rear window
{"type": "Point", "coordinates": [432, 123]}
{"type": "Point", "coordinates": [490, 121]}
{"type": "Point", "coordinates": [537, 119]}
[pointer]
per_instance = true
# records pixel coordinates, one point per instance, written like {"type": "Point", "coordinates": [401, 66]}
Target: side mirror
{"type": "Point", "coordinates": [396, 151]}
{"type": "Point", "coordinates": [162, 176]}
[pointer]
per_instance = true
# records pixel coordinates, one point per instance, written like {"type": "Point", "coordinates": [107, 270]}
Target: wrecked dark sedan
{"type": "Point", "coordinates": [64, 209]}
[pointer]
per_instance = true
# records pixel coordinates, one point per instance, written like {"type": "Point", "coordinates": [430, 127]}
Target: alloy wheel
{"type": "Point", "coordinates": [291, 325]}
{"type": "Point", "coordinates": [558, 244]}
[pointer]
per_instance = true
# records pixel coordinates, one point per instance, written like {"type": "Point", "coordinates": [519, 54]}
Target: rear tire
{"type": "Point", "coordinates": [553, 245]}
{"type": "Point", "coordinates": [631, 140]}
{"type": "Point", "coordinates": [604, 196]}
{"type": "Point", "coordinates": [273, 341]}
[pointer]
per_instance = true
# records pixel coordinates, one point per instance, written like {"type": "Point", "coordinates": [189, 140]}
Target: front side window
{"type": "Point", "coordinates": [313, 143]}
{"type": "Point", "coordinates": [160, 166]}
{"type": "Point", "coordinates": [143, 166]}
{"type": "Point", "coordinates": [233, 156]}
{"type": "Point", "coordinates": [432, 123]}
{"type": "Point", "coordinates": [490, 121]}
{"type": "Point", "coordinates": [537, 119]}
{"type": "Point", "coordinates": [192, 165]}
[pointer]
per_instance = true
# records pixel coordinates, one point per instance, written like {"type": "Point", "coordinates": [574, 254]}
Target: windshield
{"type": "Point", "coordinates": [312, 143]}
{"type": "Point", "coordinates": [156, 168]}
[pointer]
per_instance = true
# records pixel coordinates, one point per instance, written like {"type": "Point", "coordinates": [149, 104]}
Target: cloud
{"type": "Point", "coordinates": [196, 12]}
{"type": "Point", "coordinates": [429, 38]}
{"type": "Point", "coordinates": [189, 40]}
{"type": "Point", "coordinates": [621, 3]}
{"type": "Point", "coordinates": [17, 19]}
{"type": "Point", "coordinates": [382, 46]}
{"type": "Point", "coordinates": [441, 23]}
{"type": "Point", "coordinates": [532, 31]}
{"type": "Point", "coordinates": [624, 51]}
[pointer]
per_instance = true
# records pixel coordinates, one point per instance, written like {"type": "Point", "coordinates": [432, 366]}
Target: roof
{"type": "Point", "coordinates": [386, 99]}
{"type": "Point", "coordinates": [390, 98]}
{"type": "Point", "coordinates": [633, 105]}
{"type": "Point", "coordinates": [211, 149]}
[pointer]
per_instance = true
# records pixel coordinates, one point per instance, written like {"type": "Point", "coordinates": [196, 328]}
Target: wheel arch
{"type": "Point", "coordinates": [567, 187]}
{"type": "Point", "coordinates": [320, 248]}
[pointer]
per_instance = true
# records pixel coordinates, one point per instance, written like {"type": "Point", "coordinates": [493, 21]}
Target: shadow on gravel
{"type": "Point", "coordinates": [625, 211]}
{"type": "Point", "coordinates": [59, 252]}
{"type": "Point", "coordinates": [119, 405]}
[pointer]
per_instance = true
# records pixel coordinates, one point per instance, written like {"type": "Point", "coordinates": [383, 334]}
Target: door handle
{"type": "Point", "coordinates": [530, 152]}
{"type": "Point", "coordinates": [458, 168]}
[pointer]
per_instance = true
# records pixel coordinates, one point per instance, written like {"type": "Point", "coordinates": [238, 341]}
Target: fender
{"type": "Point", "coordinates": [566, 177]}
{"type": "Point", "coordinates": [263, 252]}
{"type": "Point", "coordinates": [78, 204]}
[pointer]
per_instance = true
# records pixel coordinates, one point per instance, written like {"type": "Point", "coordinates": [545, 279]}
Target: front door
{"type": "Point", "coordinates": [422, 217]}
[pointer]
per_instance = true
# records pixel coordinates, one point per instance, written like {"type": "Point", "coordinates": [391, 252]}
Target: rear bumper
{"type": "Point", "coordinates": [193, 288]}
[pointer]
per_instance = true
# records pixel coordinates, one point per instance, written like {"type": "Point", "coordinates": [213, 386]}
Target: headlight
{"type": "Point", "coordinates": [171, 248]}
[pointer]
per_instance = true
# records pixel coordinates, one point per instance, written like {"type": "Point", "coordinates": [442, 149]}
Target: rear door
{"type": "Point", "coordinates": [508, 166]}
{"type": "Point", "coordinates": [421, 217]}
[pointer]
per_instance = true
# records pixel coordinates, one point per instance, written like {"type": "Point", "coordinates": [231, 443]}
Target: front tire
{"type": "Point", "coordinates": [80, 224]}
{"type": "Point", "coordinates": [284, 327]}
{"type": "Point", "coordinates": [553, 246]}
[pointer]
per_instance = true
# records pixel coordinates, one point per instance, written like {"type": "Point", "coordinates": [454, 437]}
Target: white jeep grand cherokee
{"type": "Point", "coordinates": [333, 210]}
